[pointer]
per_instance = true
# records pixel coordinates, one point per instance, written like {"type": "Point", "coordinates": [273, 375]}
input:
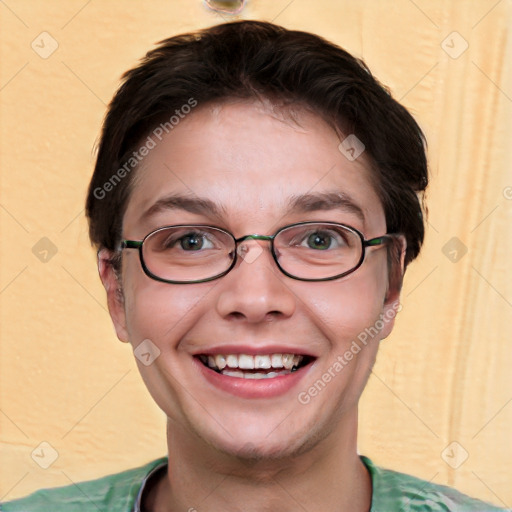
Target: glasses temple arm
{"type": "Point", "coordinates": [131, 244]}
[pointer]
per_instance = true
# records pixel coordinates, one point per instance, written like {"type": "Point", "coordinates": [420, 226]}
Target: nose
{"type": "Point", "coordinates": [255, 290]}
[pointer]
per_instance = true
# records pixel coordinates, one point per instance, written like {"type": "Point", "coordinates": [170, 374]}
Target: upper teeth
{"type": "Point", "coordinates": [248, 362]}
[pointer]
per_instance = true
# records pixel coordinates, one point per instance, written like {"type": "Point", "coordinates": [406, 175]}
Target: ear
{"type": "Point", "coordinates": [115, 299]}
{"type": "Point", "coordinates": [396, 269]}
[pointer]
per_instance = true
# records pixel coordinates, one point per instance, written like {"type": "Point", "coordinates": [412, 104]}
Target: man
{"type": "Point", "coordinates": [255, 202]}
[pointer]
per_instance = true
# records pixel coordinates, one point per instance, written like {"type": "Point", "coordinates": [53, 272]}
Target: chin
{"type": "Point", "coordinates": [270, 444]}
{"type": "Point", "coordinates": [258, 452]}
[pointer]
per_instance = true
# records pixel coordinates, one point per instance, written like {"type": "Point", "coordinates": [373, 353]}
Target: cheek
{"type": "Point", "coordinates": [158, 311]}
{"type": "Point", "coordinates": [163, 314]}
{"type": "Point", "coordinates": [349, 315]}
{"type": "Point", "coordinates": [347, 307]}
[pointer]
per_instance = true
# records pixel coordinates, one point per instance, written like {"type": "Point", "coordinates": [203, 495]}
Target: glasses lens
{"type": "Point", "coordinates": [188, 253]}
{"type": "Point", "coordinates": [318, 250]}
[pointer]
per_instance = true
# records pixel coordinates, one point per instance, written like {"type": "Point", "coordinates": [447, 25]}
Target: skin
{"type": "Point", "coordinates": [264, 454]}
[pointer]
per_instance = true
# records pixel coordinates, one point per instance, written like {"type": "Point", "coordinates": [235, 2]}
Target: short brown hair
{"type": "Point", "coordinates": [253, 59]}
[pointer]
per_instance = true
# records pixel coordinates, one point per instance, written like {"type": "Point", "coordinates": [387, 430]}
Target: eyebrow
{"type": "Point", "coordinates": [326, 201]}
{"type": "Point", "coordinates": [303, 203]}
{"type": "Point", "coordinates": [197, 205]}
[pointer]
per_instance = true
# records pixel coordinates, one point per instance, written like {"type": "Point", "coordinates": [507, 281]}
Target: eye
{"type": "Point", "coordinates": [194, 242]}
{"type": "Point", "coordinates": [323, 240]}
{"type": "Point", "coordinates": [191, 241]}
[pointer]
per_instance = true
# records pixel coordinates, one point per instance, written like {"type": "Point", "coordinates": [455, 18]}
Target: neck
{"type": "Point", "coordinates": [329, 476]}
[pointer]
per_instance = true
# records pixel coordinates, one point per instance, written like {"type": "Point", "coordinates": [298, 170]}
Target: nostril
{"type": "Point", "coordinates": [271, 315]}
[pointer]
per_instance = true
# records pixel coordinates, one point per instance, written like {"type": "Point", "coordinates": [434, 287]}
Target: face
{"type": "Point", "coordinates": [252, 165]}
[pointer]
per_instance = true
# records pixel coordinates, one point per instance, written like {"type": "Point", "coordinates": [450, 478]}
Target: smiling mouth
{"type": "Point", "coordinates": [259, 366]}
{"type": "Point", "coordinates": [262, 366]}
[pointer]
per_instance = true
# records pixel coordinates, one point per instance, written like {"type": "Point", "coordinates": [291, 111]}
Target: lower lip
{"type": "Point", "coordinates": [252, 388]}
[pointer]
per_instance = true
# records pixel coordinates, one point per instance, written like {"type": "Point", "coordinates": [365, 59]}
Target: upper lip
{"type": "Point", "coordinates": [253, 351]}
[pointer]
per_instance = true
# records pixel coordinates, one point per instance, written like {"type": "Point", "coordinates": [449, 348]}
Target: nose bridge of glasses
{"type": "Point", "coordinates": [254, 237]}
{"type": "Point", "coordinates": [244, 251]}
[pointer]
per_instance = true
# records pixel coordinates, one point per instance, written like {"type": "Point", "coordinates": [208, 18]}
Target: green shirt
{"type": "Point", "coordinates": [392, 492]}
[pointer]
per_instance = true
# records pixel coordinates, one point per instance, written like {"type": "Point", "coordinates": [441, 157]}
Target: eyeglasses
{"type": "Point", "coordinates": [307, 251]}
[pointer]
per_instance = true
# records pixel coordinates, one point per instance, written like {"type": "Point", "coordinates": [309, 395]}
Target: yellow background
{"type": "Point", "coordinates": [445, 373]}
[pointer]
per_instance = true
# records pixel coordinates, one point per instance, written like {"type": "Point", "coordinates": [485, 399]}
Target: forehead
{"type": "Point", "coordinates": [251, 163]}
